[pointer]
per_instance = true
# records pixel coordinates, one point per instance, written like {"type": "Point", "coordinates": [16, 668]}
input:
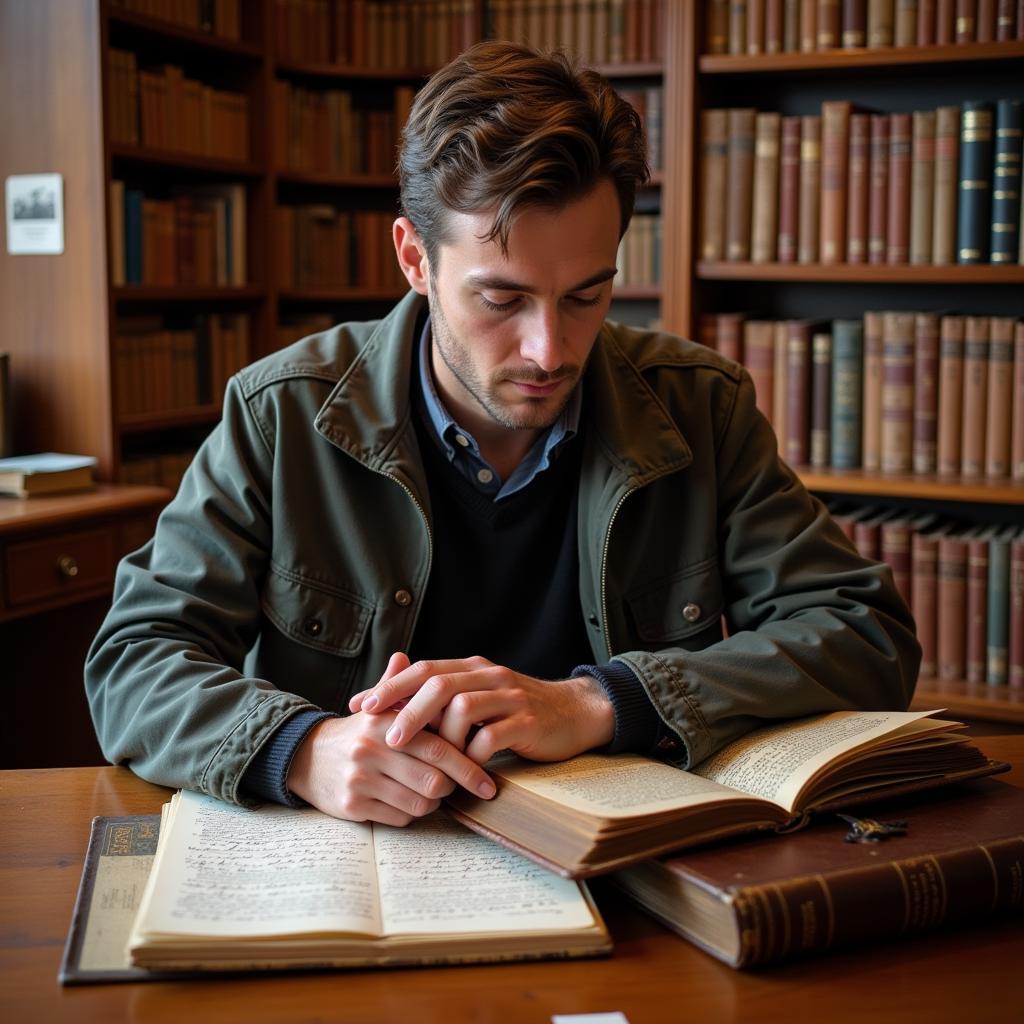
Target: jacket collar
{"type": "Point", "coordinates": [368, 412]}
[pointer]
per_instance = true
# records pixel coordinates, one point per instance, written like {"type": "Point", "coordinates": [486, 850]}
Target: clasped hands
{"type": "Point", "coordinates": [427, 727]}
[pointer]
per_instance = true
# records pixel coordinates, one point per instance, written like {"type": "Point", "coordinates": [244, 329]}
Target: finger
{"type": "Point", "coordinates": [398, 662]}
{"type": "Point", "coordinates": [501, 735]}
{"type": "Point", "coordinates": [409, 801]}
{"type": "Point", "coordinates": [460, 769]}
{"type": "Point", "coordinates": [467, 710]}
{"type": "Point", "coordinates": [385, 814]}
{"type": "Point", "coordinates": [408, 682]}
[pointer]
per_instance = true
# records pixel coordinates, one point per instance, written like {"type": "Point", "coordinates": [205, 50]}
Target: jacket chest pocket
{"type": "Point", "coordinates": [681, 610]}
{"type": "Point", "coordinates": [318, 636]}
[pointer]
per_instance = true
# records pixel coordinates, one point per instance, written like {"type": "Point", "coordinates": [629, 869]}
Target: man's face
{"type": "Point", "coordinates": [512, 335]}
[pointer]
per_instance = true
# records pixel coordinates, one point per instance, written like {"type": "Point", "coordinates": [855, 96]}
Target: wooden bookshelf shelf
{"type": "Point", "coordinates": [144, 423]}
{"type": "Point", "coordinates": [187, 293]}
{"type": "Point", "coordinates": [166, 31]}
{"type": "Point", "coordinates": [207, 166]}
{"type": "Point", "coordinates": [970, 700]}
{"type": "Point", "coordinates": [301, 69]}
{"type": "Point", "coordinates": [316, 296]}
{"type": "Point", "coordinates": [337, 181]}
{"type": "Point", "coordinates": [934, 488]}
{"type": "Point", "coordinates": [842, 62]}
{"type": "Point", "coordinates": [863, 273]}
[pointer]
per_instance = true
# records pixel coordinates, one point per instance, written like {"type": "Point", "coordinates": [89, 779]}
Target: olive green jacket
{"type": "Point", "coordinates": [295, 557]}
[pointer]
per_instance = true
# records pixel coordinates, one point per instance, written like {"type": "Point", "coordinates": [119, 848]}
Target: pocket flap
{"type": "Point", "coordinates": [313, 614]}
{"type": "Point", "coordinates": [679, 605]}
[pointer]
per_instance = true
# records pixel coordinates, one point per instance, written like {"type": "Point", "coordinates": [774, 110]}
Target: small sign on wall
{"type": "Point", "coordinates": [35, 214]}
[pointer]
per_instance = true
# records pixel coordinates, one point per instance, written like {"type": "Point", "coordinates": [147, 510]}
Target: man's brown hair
{"type": "Point", "coordinates": [507, 127]}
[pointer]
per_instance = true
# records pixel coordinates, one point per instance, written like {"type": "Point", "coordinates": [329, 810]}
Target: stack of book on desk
{"type": "Point", "coordinates": [234, 889]}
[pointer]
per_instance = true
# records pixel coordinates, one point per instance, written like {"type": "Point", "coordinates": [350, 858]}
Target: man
{"type": "Point", "coordinates": [492, 519]}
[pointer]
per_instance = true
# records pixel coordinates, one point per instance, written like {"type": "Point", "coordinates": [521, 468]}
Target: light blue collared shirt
{"type": "Point", "coordinates": [463, 451]}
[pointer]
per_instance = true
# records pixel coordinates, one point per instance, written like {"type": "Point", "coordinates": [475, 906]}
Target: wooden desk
{"type": "Point", "coordinates": [57, 559]}
{"type": "Point", "coordinates": [653, 976]}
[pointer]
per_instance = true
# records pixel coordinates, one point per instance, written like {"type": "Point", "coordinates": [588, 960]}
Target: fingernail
{"type": "Point", "coordinates": [370, 703]}
{"type": "Point", "coordinates": [393, 735]}
{"type": "Point", "coordinates": [486, 789]}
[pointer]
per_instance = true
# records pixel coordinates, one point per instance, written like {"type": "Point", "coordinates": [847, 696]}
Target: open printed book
{"type": "Point", "coordinates": [234, 889]}
{"type": "Point", "coordinates": [597, 812]}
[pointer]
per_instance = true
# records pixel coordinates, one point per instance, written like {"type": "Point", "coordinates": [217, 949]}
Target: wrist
{"type": "Point", "coordinates": [596, 714]}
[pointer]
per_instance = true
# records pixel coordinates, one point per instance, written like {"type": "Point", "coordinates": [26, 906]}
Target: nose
{"type": "Point", "coordinates": [543, 344]}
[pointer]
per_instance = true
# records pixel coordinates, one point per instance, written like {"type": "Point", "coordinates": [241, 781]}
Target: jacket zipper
{"type": "Point", "coordinates": [604, 570]}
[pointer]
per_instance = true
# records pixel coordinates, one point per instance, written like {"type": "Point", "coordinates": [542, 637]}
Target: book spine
{"type": "Point", "coordinates": [897, 392]}
{"type": "Point", "coordinates": [780, 414]}
{"type": "Point", "coordinates": [714, 169]}
{"type": "Point", "coordinates": [1006, 20]}
{"type": "Point", "coordinates": [1016, 645]}
{"type": "Point", "coordinates": [791, 26]}
{"type": "Point", "coordinates": [986, 24]}
{"type": "Point", "coordinates": [972, 445]}
{"type": "Point", "coordinates": [755, 27]}
{"type": "Point", "coordinates": [858, 188]}
{"type": "Point", "coordinates": [923, 558]}
{"type": "Point", "coordinates": [951, 394]}
{"type": "Point", "coordinates": [808, 26]}
{"type": "Point", "coordinates": [926, 10]}
{"type": "Point", "coordinates": [847, 383]}
{"type": "Point", "coordinates": [926, 391]}
{"type": "Point", "coordinates": [808, 232]}
{"type": "Point", "coordinates": [717, 27]}
{"type": "Point", "coordinates": [999, 410]}
{"type": "Point", "coordinates": [947, 156]}
{"type": "Point", "coordinates": [789, 190]}
{"type": "Point", "coordinates": [1006, 182]}
{"type": "Point", "coordinates": [740, 181]}
{"type": "Point", "coordinates": [881, 16]}
{"type": "Point", "coordinates": [759, 358]}
{"type": "Point", "coordinates": [730, 336]}
{"type": "Point", "coordinates": [997, 651]}
{"type": "Point", "coordinates": [895, 545]}
{"type": "Point", "coordinates": [829, 23]}
{"type": "Point", "coordinates": [872, 406]}
{"type": "Point", "coordinates": [975, 193]}
{"type": "Point", "coordinates": [900, 145]}
{"type": "Point", "coordinates": [977, 608]}
{"type": "Point", "coordinates": [952, 616]}
{"type": "Point", "coordinates": [821, 400]}
{"type": "Point", "coordinates": [774, 17]}
{"type": "Point", "coordinates": [966, 20]}
{"type": "Point", "coordinates": [855, 23]}
{"type": "Point", "coordinates": [878, 198]}
{"type": "Point", "coordinates": [835, 144]}
{"type": "Point", "coordinates": [766, 188]}
{"type": "Point", "coordinates": [738, 27]}
{"type": "Point", "coordinates": [905, 27]}
{"type": "Point", "coordinates": [1017, 430]}
{"type": "Point", "coordinates": [945, 22]}
{"type": "Point", "coordinates": [922, 193]}
{"type": "Point", "coordinates": [798, 390]}
{"type": "Point", "coordinates": [916, 894]}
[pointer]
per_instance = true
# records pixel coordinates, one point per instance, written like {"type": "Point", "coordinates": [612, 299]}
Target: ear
{"type": "Point", "coordinates": [412, 254]}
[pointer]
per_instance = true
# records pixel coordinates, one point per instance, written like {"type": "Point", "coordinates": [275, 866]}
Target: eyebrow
{"type": "Point", "coordinates": [504, 284]}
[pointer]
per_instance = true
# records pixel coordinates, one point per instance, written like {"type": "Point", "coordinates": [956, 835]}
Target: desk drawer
{"type": "Point", "coordinates": [65, 563]}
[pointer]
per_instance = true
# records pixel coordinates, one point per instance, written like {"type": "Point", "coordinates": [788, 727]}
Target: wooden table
{"type": "Point", "coordinates": [976, 975]}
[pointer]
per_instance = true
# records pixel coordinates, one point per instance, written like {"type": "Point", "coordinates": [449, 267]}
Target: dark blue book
{"type": "Point", "coordinates": [974, 201]}
{"type": "Point", "coordinates": [847, 387]}
{"type": "Point", "coordinates": [998, 624]}
{"type": "Point", "coordinates": [1006, 181]}
{"type": "Point", "coordinates": [133, 236]}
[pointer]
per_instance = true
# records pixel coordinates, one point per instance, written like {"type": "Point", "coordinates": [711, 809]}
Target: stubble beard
{"type": "Point", "coordinates": [534, 414]}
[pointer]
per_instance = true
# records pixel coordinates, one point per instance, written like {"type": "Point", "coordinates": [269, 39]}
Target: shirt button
{"type": "Point", "coordinates": [312, 627]}
{"type": "Point", "coordinates": [403, 598]}
{"type": "Point", "coordinates": [462, 439]}
{"type": "Point", "coordinates": [691, 612]}
{"type": "Point", "coordinates": [485, 476]}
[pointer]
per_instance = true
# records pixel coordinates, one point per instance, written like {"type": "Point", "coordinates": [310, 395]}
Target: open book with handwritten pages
{"type": "Point", "coordinates": [233, 889]}
{"type": "Point", "coordinates": [595, 812]}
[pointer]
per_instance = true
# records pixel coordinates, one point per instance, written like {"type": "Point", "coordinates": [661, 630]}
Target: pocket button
{"type": "Point", "coordinates": [312, 627]}
{"type": "Point", "coordinates": [691, 612]}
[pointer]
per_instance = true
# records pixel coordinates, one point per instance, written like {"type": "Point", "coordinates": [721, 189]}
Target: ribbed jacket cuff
{"type": "Point", "coordinates": [637, 723]}
{"type": "Point", "coordinates": [265, 777]}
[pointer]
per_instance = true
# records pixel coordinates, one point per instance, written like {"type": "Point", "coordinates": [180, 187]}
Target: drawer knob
{"type": "Point", "coordinates": [67, 566]}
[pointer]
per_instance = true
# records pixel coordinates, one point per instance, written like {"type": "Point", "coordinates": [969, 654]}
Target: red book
{"type": "Point", "coordinates": [858, 189]}
{"type": "Point", "coordinates": [759, 358]}
{"type": "Point", "coordinates": [798, 392]}
{"type": "Point", "coordinates": [952, 618]}
{"type": "Point", "coordinates": [898, 206]}
{"type": "Point", "coordinates": [789, 190]}
{"type": "Point", "coordinates": [926, 391]}
{"type": "Point", "coordinates": [878, 198]}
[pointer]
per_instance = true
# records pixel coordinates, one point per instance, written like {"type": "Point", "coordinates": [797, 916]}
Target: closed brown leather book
{"type": "Point", "coordinates": [881, 19]}
{"type": "Point", "coordinates": [898, 236]}
{"type": "Point", "coordinates": [926, 391]}
{"type": "Point", "coordinates": [897, 392]}
{"type": "Point", "coordinates": [766, 188]}
{"type": "Point", "coordinates": [855, 23]}
{"type": "Point", "coordinates": [966, 20]}
{"type": "Point", "coordinates": [738, 27]}
{"type": "Point", "coordinates": [985, 27]}
{"type": "Point", "coordinates": [947, 181]}
{"type": "Point", "coordinates": [926, 10]}
{"type": "Point", "coordinates": [798, 392]}
{"type": "Point", "coordinates": [829, 24]}
{"type": "Point", "coordinates": [972, 445]}
{"type": "Point", "coordinates": [714, 150]}
{"type": "Point", "coordinates": [999, 406]}
{"type": "Point", "coordinates": [808, 233]}
{"type": "Point", "coordinates": [922, 192]}
{"type": "Point", "coordinates": [821, 400]}
{"type": "Point", "coordinates": [808, 26]}
{"type": "Point", "coordinates": [977, 603]}
{"type": "Point", "coordinates": [867, 534]}
{"type": "Point", "coordinates": [872, 430]}
{"type": "Point", "coordinates": [730, 335]}
{"type": "Point", "coordinates": [755, 27]}
{"type": "Point", "coordinates": [791, 26]}
{"type": "Point", "coordinates": [1016, 645]}
{"type": "Point", "coordinates": [1006, 20]}
{"type": "Point", "coordinates": [789, 190]}
{"type": "Point", "coordinates": [945, 22]}
{"type": "Point", "coordinates": [858, 189]}
{"type": "Point", "coordinates": [952, 617]}
{"type": "Point", "coordinates": [895, 548]}
{"type": "Point", "coordinates": [835, 145]}
{"type": "Point", "coordinates": [1017, 430]}
{"type": "Point", "coordinates": [717, 27]}
{"type": "Point", "coordinates": [740, 183]}
{"type": "Point", "coordinates": [924, 553]}
{"type": "Point", "coordinates": [904, 31]}
{"type": "Point", "coordinates": [759, 359]}
{"type": "Point", "coordinates": [773, 26]}
{"type": "Point", "coordinates": [779, 400]}
{"type": "Point", "coordinates": [878, 196]}
{"type": "Point", "coordinates": [951, 394]}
